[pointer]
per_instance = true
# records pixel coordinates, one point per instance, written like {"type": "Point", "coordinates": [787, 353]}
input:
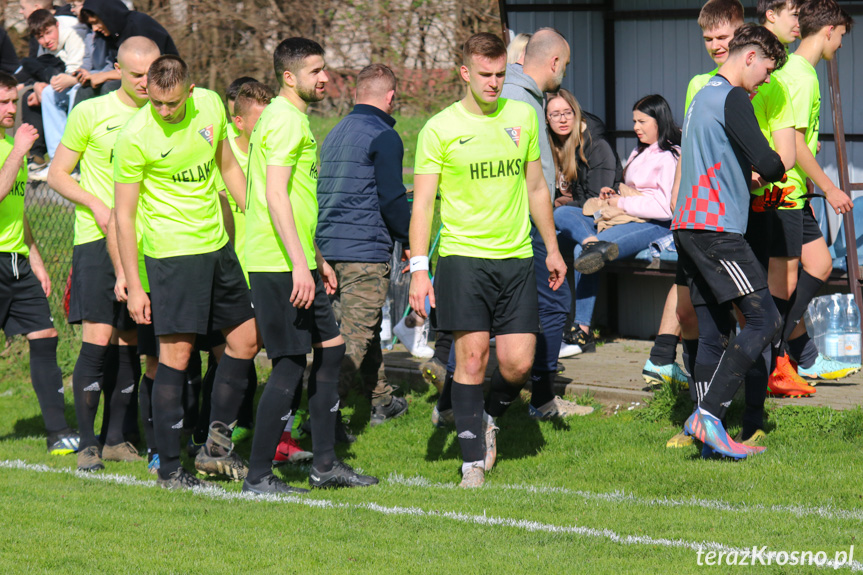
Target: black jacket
{"type": "Point", "coordinates": [123, 23]}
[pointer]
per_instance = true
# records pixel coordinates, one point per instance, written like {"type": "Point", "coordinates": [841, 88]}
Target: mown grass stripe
{"type": "Point", "coordinates": [621, 497]}
{"type": "Point", "coordinates": [523, 524]}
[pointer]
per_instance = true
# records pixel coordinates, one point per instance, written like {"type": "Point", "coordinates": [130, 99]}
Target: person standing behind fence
{"type": "Point", "coordinates": [24, 282]}
{"type": "Point", "coordinates": [89, 139]}
{"type": "Point", "coordinates": [363, 210]}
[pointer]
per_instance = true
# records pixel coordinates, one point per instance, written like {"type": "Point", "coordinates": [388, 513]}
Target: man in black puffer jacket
{"type": "Point", "coordinates": [363, 209]}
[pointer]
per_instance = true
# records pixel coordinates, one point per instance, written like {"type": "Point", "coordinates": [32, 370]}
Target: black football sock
{"type": "Point", "coordinates": [203, 427]}
{"type": "Point", "coordinates": [467, 405]}
{"type": "Point", "coordinates": [541, 390]}
{"type": "Point", "coordinates": [807, 287]}
{"type": "Point", "coordinates": [87, 387]}
{"type": "Point", "coordinates": [444, 402]}
{"type": "Point", "coordinates": [803, 351]}
{"type": "Point", "coordinates": [442, 345]}
{"type": "Point", "coordinates": [324, 404]}
{"type": "Point", "coordinates": [192, 392]}
{"type": "Point", "coordinates": [167, 404]}
{"type": "Point", "coordinates": [109, 381]}
{"type": "Point", "coordinates": [245, 418]}
{"type": "Point", "coordinates": [48, 383]}
{"type": "Point", "coordinates": [501, 394]}
{"type": "Point", "coordinates": [123, 392]}
{"type": "Point", "coordinates": [145, 394]}
{"type": "Point", "coordinates": [130, 422]}
{"type": "Point", "coordinates": [228, 388]}
{"type": "Point", "coordinates": [755, 393]}
{"type": "Point", "coordinates": [274, 410]}
{"type": "Point", "coordinates": [690, 353]}
{"type": "Point", "coordinates": [664, 350]}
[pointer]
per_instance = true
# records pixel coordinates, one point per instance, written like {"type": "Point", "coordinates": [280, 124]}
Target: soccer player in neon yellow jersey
{"type": "Point", "coordinates": [166, 157]}
{"type": "Point", "coordinates": [290, 279]}
{"type": "Point", "coordinates": [89, 138]}
{"type": "Point", "coordinates": [24, 283]}
{"type": "Point", "coordinates": [244, 113]}
{"type": "Point", "coordinates": [822, 25]}
{"type": "Point", "coordinates": [483, 153]}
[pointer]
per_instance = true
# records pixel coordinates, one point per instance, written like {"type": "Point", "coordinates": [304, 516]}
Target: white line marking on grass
{"type": "Point", "coordinates": [523, 524]}
{"type": "Point", "coordinates": [620, 497]}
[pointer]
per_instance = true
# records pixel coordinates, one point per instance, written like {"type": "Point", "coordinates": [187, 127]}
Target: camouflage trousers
{"type": "Point", "coordinates": [362, 292]}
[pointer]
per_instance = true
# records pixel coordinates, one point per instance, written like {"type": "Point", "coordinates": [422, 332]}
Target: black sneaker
{"type": "Point", "coordinates": [271, 485]}
{"type": "Point", "coordinates": [585, 340]}
{"type": "Point", "coordinates": [382, 413]}
{"type": "Point", "coordinates": [594, 255]}
{"type": "Point", "coordinates": [63, 442]}
{"type": "Point", "coordinates": [182, 479]}
{"type": "Point", "coordinates": [341, 475]}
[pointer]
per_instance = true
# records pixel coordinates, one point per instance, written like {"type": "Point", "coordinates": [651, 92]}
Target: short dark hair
{"type": "Point", "coordinates": [234, 87]}
{"type": "Point", "coordinates": [291, 53]}
{"type": "Point", "coordinates": [39, 21]}
{"type": "Point", "coordinates": [8, 81]}
{"type": "Point", "coordinates": [168, 71]}
{"type": "Point", "coordinates": [374, 80]}
{"type": "Point", "coordinates": [816, 14]}
{"type": "Point", "coordinates": [750, 34]}
{"type": "Point", "coordinates": [718, 12]}
{"type": "Point", "coordinates": [484, 45]}
{"type": "Point", "coordinates": [776, 5]}
{"type": "Point", "coordinates": [252, 93]}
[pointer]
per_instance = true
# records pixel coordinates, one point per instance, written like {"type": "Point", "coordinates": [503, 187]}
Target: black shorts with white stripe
{"type": "Point", "coordinates": [718, 266]}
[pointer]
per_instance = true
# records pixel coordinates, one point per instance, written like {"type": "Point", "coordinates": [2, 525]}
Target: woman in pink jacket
{"type": "Point", "coordinates": [649, 170]}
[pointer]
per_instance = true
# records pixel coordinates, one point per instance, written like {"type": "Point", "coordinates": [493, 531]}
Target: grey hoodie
{"type": "Point", "coordinates": [519, 86]}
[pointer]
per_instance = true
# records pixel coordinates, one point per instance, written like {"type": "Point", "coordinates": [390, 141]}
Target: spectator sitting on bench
{"type": "Point", "coordinates": [623, 223]}
{"type": "Point", "coordinates": [61, 52]}
{"type": "Point", "coordinates": [584, 164]}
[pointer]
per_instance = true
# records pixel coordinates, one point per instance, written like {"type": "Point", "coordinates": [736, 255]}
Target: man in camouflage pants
{"type": "Point", "coordinates": [363, 209]}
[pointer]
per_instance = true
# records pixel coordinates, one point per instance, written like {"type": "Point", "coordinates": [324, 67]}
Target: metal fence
{"type": "Point", "coordinates": [52, 220]}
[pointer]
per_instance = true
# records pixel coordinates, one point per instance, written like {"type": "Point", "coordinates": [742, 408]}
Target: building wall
{"type": "Point", "coordinates": [655, 55]}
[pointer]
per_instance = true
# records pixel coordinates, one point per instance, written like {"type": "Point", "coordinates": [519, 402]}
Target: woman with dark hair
{"type": "Point", "coordinates": [622, 223]}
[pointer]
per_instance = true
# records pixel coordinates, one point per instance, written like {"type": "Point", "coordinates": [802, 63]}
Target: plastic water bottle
{"type": "Point", "coordinates": [834, 339]}
{"type": "Point", "coordinates": [851, 340]}
{"type": "Point", "coordinates": [386, 326]}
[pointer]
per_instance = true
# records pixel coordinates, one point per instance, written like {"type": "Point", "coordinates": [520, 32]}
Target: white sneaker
{"type": "Point", "coordinates": [569, 349]}
{"type": "Point", "coordinates": [40, 175]}
{"type": "Point", "coordinates": [413, 340]}
{"type": "Point", "coordinates": [558, 408]}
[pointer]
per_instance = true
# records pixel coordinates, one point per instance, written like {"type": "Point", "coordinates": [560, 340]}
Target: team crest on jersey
{"type": "Point", "coordinates": [207, 134]}
{"type": "Point", "coordinates": [515, 134]}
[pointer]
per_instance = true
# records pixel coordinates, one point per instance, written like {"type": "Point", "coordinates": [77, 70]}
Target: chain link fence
{"type": "Point", "coordinates": [52, 221]}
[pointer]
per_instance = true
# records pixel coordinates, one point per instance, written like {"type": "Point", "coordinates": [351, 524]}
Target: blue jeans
{"type": "Point", "coordinates": [55, 109]}
{"type": "Point", "coordinates": [630, 238]}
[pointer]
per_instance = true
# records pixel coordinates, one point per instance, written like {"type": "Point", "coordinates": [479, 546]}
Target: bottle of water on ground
{"type": "Point", "coordinates": [834, 339]}
{"type": "Point", "coordinates": [851, 333]}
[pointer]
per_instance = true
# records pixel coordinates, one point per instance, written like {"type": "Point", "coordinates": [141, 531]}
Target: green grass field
{"type": "Point", "coordinates": [599, 494]}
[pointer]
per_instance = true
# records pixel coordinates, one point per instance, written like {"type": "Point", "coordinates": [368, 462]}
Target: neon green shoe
{"type": "Point", "coordinates": [241, 434]}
